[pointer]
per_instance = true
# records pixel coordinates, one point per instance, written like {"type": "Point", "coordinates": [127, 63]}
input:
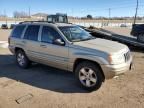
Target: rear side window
{"type": "Point", "coordinates": [32, 32]}
{"type": "Point", "coordinates": [18, 31]}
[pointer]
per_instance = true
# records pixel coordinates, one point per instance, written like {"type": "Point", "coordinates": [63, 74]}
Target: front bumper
{"type": "Point", "coordinates": [114, 70]}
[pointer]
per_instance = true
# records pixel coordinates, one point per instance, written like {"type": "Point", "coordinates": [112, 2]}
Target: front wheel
{"type": "Point", "coordinates": [89, 76]}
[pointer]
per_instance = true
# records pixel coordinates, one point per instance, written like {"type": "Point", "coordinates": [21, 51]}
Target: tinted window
{"type": "Point", "coordinates": [18, 31]}
{"type": "Point", "coordinates": [49, 34]}
{"type": "Point", "coordinates": [32, 32]}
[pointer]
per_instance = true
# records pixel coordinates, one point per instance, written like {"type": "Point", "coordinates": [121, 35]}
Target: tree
{"type": "Point", "coordinates": [89, 17]}
{"type": "Point", "coordinates": [22, 14]}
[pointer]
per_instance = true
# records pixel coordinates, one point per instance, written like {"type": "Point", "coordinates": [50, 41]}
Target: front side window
{"type": "Point", "coordinates": [18, 31]}
{"type": "Point", "coordinates": [75, 33]}
{"type": "Point", "coordinates": [32, 32]}
{"type": "Point", "coordinates": [49, 35]}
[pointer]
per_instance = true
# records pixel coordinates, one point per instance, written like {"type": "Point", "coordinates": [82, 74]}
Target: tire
{"type": "Point", "coordinates": [89, 76]}
{"type": "Point", "coordinates": [140, 38]}
{"type": "Point", "coordinates": [22, 60]}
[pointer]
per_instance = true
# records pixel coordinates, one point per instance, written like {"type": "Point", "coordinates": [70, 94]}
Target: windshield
{"type": "Point", "coordinates": [75, 33]}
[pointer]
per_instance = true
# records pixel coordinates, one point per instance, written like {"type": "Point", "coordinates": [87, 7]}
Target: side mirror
{"type": "Point", "coordinates": [59, 42]}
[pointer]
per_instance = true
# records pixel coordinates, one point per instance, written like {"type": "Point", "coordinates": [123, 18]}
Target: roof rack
{"type": "Point", "coordinates": [35, 22]}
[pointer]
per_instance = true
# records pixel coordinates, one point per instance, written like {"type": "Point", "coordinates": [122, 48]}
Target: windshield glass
{"type": "Point", "coordinates": [75, 33]}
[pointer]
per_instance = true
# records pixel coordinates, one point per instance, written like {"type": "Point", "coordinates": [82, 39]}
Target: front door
{"type": "Point", "coordinates": [53, 54]}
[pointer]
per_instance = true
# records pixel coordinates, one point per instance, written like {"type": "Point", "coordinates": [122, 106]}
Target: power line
{"type": "Point", "coordinates": [129, 5]}
{"type": "Point", "coordinates": [122, 3]}
{"type": "Point", "coordinates": [113, 8]}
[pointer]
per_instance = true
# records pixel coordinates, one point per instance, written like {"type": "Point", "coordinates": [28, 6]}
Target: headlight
{"type": "Point", "coordinates": [116, 59]}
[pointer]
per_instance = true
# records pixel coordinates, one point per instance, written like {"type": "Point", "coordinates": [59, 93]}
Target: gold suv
{"type": "Point", "coordinates": [69, 47]}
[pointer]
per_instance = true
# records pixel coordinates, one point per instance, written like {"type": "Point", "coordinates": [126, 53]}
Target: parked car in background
{"type": "Point", "coordinates": [4, 26]}
{"type": "Point", "coordinates": [69, 47]}
{"type": "Point", "coordinates": [12, 26]}
{"type": "Point", "coordinates": [138, 31]}
{"type": "Point", "coordinates": [123, 25]}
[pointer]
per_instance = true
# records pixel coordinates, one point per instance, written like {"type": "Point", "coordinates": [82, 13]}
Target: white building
{"type": "Point", "coordinates": [39, 16]}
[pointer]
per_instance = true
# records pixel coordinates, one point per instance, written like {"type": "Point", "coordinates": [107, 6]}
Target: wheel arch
{"type": "Point", "coordinates": [80, 60]}
{"type": "Point", "coordinates": [17, 49]}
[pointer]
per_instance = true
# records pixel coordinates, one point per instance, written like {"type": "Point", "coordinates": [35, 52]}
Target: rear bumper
{"type": "Point", "coordinates": [114, 70]}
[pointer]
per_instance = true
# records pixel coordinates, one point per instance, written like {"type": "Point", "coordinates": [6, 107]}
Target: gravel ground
{"type": "Point", "coordinates": [4, 34]}
{"type": "Point", "coordinates": [42, 86]}
{"type": "Point", "coordinates": [122, 31]}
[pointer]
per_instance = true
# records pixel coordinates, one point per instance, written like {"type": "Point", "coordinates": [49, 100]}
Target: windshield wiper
{"type": "Point", "coordinates": [87, 39]}
{"type": "Point", "coordinates": [78, 40]}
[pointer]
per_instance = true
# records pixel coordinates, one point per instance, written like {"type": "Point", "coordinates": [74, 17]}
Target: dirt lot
{"type": "Point", "coordinates": [4, 34]}
{"type": "Point", "coordinates": [42, 87]}
{"type": "Point", "coordinates": [121, 31]}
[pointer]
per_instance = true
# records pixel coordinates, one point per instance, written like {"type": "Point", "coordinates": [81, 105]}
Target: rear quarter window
{"type": "Point", "coordinates": [17, 32]}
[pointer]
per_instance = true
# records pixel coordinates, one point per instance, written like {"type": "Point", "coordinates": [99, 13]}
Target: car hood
{"type": "Point", "coordinates": [103, 45]}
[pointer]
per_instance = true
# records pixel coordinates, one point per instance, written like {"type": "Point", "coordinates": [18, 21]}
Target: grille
{"type": "Point", "coordinates": [127, 56]}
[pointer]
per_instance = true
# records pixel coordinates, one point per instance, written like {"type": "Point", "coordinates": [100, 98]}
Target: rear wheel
{"type": "Point", "coordinates": [140, 37]}
{"type": "Point", "coordinates": [89, 76]}
{"type": "Point", "coordinates": [22, 59]}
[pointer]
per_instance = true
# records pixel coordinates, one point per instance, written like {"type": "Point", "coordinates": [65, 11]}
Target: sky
{"type": "Point", "coordinates": [77, 8]}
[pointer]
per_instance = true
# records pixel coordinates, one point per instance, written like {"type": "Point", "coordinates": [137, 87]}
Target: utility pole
{"type": "Point", "coordinates": [29, 11]}
{"type": "Point", "coordinates": [109, 15]}
{"type": "Point", "coordinates": [137, 5]}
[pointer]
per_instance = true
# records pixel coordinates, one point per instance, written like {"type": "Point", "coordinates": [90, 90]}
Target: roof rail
{"type": "Point", "coordinates": [34, 22]}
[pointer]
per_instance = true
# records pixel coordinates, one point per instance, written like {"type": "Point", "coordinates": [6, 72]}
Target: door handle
{"type": "Point", "coordinates": [43, 46]}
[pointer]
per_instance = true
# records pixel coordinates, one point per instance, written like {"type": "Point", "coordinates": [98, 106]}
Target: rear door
{"type": "Point", "coordinates": [31, 42]}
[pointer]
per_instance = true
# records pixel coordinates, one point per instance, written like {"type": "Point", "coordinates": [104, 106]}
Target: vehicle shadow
{"type": "Point", "coordinates": [40, 76]}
